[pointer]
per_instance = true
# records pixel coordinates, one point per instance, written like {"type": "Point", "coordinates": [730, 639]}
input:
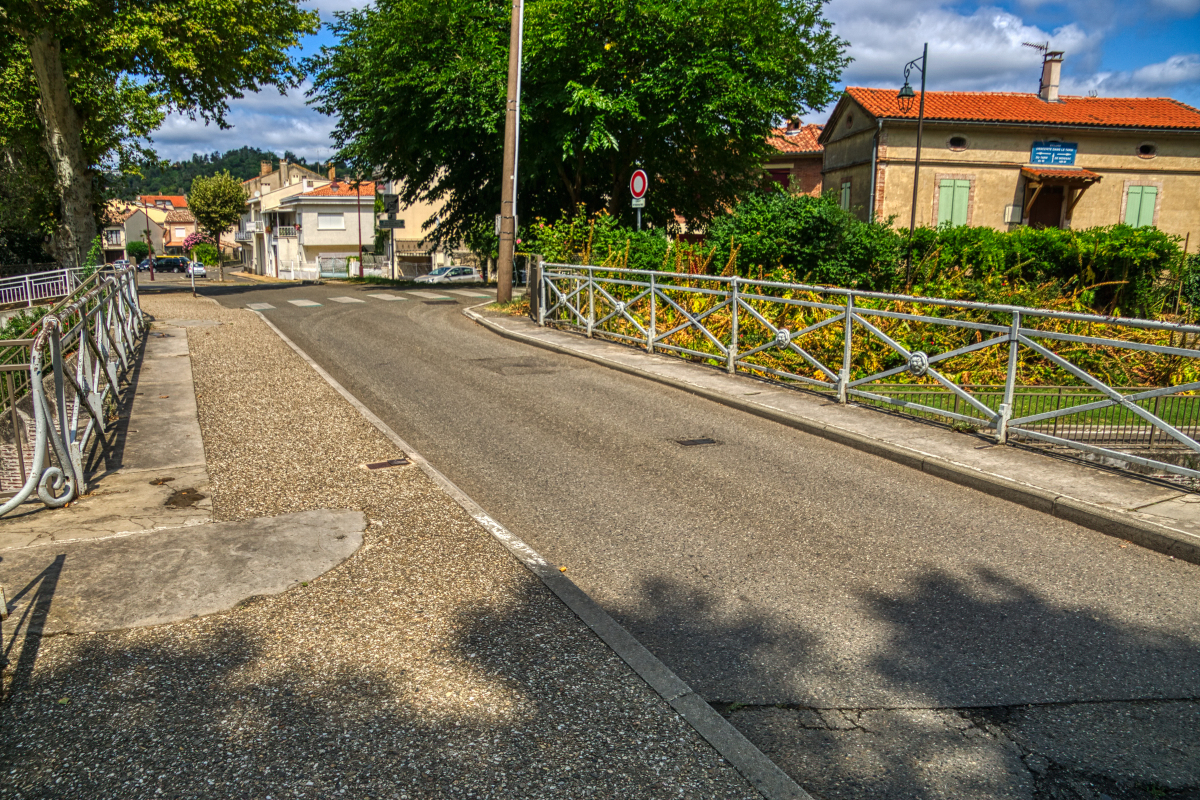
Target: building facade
{"type": "Point", "coordinates": [1007, 159]}
{"type": "Point", "coordinates": [798, 159]}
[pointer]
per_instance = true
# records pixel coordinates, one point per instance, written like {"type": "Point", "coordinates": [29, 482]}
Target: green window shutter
{"type": "Point", "coordinates": [1133, 205]}
{"type": "Point", "coordinates": [1146, 217]}
{"type": "Point", "coordinates": [953, 196]}
{"type": "Point", "coordinates": [846, 195]}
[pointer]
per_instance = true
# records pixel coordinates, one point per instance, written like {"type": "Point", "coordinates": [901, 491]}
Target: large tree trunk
{"type": "Point", "coordinates": [64, 144]}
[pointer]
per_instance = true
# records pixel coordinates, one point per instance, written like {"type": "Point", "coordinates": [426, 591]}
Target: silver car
{"type": "Point", "coordinates": [451, 275]}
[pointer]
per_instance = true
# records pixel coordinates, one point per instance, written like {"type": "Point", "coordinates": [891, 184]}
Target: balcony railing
{"type": "Point", "coordinates": [243, 236]}
{"type": "Point", "coordinates": [286, 231]}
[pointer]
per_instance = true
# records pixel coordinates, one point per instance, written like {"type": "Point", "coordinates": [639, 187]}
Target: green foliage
{"type": "Point", "coordinates": [217, 202]}
{"type": "Point", "coordinates": [18, 324]}
{"type": "Point", "coordinates": [797, 238]}
{"type": "Point", "coordinates": [176, 178]}
{"type": "Point", "coordinates": [95, 257]}
{"type": "Point", "coordinates": [137, 250]}
{"type": "Point", "coordinates": [687, 88]}
{"type": "Point", "coordinates": [207, 254]}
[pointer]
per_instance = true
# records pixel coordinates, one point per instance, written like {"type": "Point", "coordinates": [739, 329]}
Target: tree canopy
{"type": "Point", "coordinates": [686, 89]}
{"type": "Point", "coordinates": [103, 75]}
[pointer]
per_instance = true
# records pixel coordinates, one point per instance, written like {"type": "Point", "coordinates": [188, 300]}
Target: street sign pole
{"type": "Point", "coordinates": [638, 183]}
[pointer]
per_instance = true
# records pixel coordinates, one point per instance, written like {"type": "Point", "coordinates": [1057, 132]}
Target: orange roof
{"type": "Point", "coordinates": [1118, 112]}
{"type": "Point", "coordinates": [180, 215]}
{"type": "Point", "coordinates": [177, 200]}
{"type": "Point", "coordinates": [341, 189]}
{"type": "Point", "coordinates": [800, 140]}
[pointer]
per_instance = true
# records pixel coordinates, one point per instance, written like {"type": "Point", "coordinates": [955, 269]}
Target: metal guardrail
{"type": "Point", "coordinates": [39, 286]}
{"type": "Point", "coordinates": [66, 386]}
{"type": "Point", "coordinates": [910, 354]}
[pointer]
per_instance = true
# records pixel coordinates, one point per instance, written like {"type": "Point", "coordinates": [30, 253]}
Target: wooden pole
{"type": "Point", "coordinates": [508, 173]}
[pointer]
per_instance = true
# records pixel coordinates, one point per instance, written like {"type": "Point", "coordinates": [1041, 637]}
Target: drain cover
{"type": "Point", "coordinates": [694, 442]}
{"type": "Point", "coordinates": [395, 462]}
{"type": "Point", "coordinates": [441, 302]}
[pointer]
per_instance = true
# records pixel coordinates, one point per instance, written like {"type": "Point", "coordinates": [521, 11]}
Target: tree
{"type": "Point", "coordinates": [137, 250]}
{"type": "Point", "coordinates": [688, 89]}
{"type": "Point", "coordinates": [188, 56]}
{"type": "Point", "coordinates": [217, 204]}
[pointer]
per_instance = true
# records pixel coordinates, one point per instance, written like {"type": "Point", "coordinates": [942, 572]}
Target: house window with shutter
{"type": "Point", "coordinates": [331, 222]}
{"type": "Point", "coordinates": [1139, 205]}
{"type": "Point", "coordinates": [845, 198]}
{"type": "Point", "coordinates": [954, 201]}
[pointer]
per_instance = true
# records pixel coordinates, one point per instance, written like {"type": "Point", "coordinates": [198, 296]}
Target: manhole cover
{"type": "Point", "coordinates": [393, 462]}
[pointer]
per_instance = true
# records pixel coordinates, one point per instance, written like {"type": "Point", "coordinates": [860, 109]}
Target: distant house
{"type": "Point", "coordinates": [332, 221]}
{"type": "Point", "coordinates": [177, 226]}
{"type": "Point", "coordinates": [268, 234]}
{"type": "Point", "coordinates": [1005, 159]}
{"type": "Point", "coordinates": [113, 236]}
{"type": "Point", "coordinates": [126, 222]}
{"type": "Point", "coordinates": [167, 202]}
{"type": "Point", "coordinates": [797, 161]}
{"type": "Point", "coordinates": [270, 180]}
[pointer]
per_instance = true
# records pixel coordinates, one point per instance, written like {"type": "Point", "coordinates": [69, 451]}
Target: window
{"type": "Point", "coordinates": [1147, 150]}
{"type": "Point", "coordinates": [957, 143]}
{"type": "Point", "coordinates": [180, 233]}
{"type": "Point", "coordinates": [331, 222]}
{"type": "Point", "coordinates": [953, 201]}
{"type": "Point", "coordinates": [112, 237]}
{"type": "Point", "coordinates": [845, 198]}
{"type": "Point", "coordinates": [1139, 205]}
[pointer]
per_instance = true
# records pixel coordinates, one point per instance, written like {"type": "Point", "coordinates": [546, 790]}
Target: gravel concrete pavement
{"type": "Point", "coordinates": [428, 664]}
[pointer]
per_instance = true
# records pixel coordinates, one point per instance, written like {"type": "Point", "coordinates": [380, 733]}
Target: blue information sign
{"type": "Point", "coordinates": [1060, 154]}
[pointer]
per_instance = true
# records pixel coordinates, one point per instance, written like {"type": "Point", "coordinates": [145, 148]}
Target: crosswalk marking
{"type": "Point", "coordinates": [466, 293]}
{"type": "Point", "coordinates": [303, 303]}
{"type": "Point", "coordinates": [387, 296]}
{"type": "Point", "coordinates": [347, 300]}
{"type": "Point", "coordinates": [430, 295]}
{"type": "Point", "coordinates": [259, 306]}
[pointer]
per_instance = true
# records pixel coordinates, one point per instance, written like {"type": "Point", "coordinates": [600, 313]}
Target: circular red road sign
{"type": "Point", "coordinates": [638, 183]}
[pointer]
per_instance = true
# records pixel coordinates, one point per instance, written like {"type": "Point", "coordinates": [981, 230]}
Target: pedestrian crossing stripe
{"type": "Point", "coordinates": [465, 293]}
{"type": "Point", "coordinates": [430, 295]}
{"type": "Point", "coordinates": [259, 306]}
{"type": "Point", "coordinates": [386, 296]}
{"type": "Point", "coordinates": [303, 303]}
{"type": "Point", "coordinates": [346, 300]}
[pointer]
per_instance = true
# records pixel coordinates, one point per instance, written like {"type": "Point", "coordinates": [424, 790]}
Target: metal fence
{"type": "Point", "coordinates": [39, 287]}
{"type": "Point", "coordinates": [60, 385]}
{"type": "Point", "coordinates": [1119, 390]}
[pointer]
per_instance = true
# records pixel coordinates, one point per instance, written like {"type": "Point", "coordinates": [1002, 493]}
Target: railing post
{"type": "Point", "coordinates": [1010, 381]}
{"type": "Point", "coordinates": [541, 290]}
{"type": "Point", "coordinates": [847, 343]}
{"type": "Point", "coordinates": [731, 366]}
{"type": "Point", "coordinates": [591, 301]}
{"type": "Point", "coordinates": [28, 292]}
{"type": "Point", "coordinates": [652, 329]}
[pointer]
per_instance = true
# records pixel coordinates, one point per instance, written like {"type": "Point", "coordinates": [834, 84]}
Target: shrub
{"type": "Point", "coordinates": [137, 250]}
{"type": "Point", "coordinates": [207, 254]}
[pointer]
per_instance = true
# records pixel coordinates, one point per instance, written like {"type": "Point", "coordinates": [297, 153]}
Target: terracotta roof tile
{"type": "Point", "coordinates": [803, 140]}
{"type": "Point", "coordinates": [176, 200]}
{"type": "Point", "coordinates": [1122, 112]}
{"type": "Point", "coordinates": [180, 215]}
{"type": "Point", "coordinates": [1061, 173]}
{"type": "Point", "coordinates": [342, 189]}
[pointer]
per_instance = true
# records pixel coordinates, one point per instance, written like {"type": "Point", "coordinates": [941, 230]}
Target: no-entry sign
{"type": "Point", "coordinates": [638, 183]}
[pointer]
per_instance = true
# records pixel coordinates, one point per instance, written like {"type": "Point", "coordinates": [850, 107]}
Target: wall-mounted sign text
{"type": "Point", "coordinates": [1060, 154]}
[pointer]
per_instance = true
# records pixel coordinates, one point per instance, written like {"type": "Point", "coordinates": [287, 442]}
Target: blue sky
{"type": "Point", "coordinates": [1147, 48]}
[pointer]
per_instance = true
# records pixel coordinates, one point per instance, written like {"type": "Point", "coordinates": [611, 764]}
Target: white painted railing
{"type": "Point", "coordinates": [28, 290]}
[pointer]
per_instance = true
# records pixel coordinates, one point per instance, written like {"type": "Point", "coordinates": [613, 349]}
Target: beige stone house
{"type": "Point", "coordinates": [177, 226]}
{"type": "Point", "coordinates": [1006, 159]}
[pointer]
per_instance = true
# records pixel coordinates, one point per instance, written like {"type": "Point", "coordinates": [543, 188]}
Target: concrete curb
{"type": "Point", "coordinates": [770, 781]}
{"type": "Point", "coordinates": [1160, 538]}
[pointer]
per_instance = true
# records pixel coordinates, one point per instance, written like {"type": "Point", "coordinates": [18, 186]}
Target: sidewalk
{"type": "Point", "coordinates": [1150, 514]}
{"type": "Point", "coordinates": [427, 663]}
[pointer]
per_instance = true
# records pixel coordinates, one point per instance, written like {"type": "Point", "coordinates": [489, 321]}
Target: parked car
{"type": "Point", "coordinates": [171, 264]}
{"type": "Point", "coordinates": [143, 265]}
{"type": "Point", "coordinates": [197, 269]}
{"type": "Point", "coordinates": [120, 263]}
{"type": "Point", "coordinates": [451, 275]}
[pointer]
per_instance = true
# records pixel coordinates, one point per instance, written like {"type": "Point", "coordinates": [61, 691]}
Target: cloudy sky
{"type": "Point", "coordinates": [1113, 47]}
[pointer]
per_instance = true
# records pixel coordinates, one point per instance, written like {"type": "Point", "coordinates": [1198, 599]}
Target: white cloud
{"type": "Point", "coordinates": [977, 51]}
{"type": "Point", "coordinates": [267, 120]}
{"type": "Point", "coordinates": [1151, 80]}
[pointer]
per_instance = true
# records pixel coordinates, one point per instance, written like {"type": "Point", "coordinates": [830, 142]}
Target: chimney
{"type": "Point", "coordinates": [264, 168]}
{"type": "Point", "coordinates": [793, 126]}
{"type": "Point", "coordinates": [332, 173]}
{"type": "Point", "coordinates": [1051, 74]}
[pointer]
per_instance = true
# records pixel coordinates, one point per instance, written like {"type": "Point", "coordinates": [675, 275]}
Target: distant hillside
{"type": "Point", "coordinates": [177, 178]}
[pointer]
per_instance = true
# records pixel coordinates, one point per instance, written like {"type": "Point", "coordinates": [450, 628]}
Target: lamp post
{"type": "Point", "coordinates": [905, 100]}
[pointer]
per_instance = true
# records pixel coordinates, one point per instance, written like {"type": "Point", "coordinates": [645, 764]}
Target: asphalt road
{"type": "Point", "coordinates": [772, 568]}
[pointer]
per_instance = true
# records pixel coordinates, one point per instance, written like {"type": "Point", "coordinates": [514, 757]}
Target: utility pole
{"type": "Point", "coordinates": [508, 182]}
{"type": "Point", "coordinates": [358, 203]}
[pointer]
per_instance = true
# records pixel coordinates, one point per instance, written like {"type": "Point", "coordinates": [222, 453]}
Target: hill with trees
{"type": "Point", "coordinates": [176, 178]}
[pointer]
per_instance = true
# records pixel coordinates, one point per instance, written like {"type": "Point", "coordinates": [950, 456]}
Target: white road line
{"type": "Point", "coordinates": [303, 303]}
{"type": "Point", "coordinates": [386, 296]}
{"type": "Point", "coordinates": [430, 295]}
{"type": "Point", "coordinates": [466, 293]}
{"type": "Point", "coordinates": [259, 306]}
{"type": "Point", "coordinates": [346, 300]}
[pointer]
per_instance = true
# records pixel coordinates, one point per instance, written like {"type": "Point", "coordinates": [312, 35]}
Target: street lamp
{"type": "Point", "coordinates": [905, 100]}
